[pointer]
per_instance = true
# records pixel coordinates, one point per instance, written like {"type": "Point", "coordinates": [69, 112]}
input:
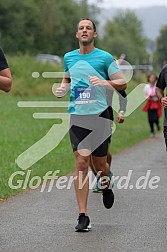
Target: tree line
{"type": "Point", "coordinates": [40, 26]}
{"type": "Point", "coordinates": [49, 26]}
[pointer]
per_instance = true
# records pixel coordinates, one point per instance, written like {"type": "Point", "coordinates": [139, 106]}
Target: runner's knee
{"type": "Point", "coordinates": [82, 163]}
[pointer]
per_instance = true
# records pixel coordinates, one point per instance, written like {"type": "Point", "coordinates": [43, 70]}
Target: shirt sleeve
{"type": "Point", "coordinates": [3, 61]}
{"type": "Point", "coordinates": [111, 65]}
{"type": "Point", "coordinates": [162, 80]}
{"type": "Point", "coordinates": [146, 89]}
{"type": "Point", "coordinates": [66, 69]}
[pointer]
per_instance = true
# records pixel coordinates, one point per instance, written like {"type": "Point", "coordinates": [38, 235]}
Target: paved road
{"type": "Point", "coordinates": [37, 222]}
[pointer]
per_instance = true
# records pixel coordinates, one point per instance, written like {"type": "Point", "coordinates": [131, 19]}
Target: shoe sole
{"type": "Point", "coordinates": [85, 229]}
{"type": "Point", "coordinates": [97, 191]}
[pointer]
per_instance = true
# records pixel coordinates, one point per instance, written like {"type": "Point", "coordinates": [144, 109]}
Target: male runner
{"type": "Point", "coordinates": [91, 72]}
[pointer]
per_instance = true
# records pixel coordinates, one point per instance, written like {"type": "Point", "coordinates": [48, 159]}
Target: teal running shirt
{"type": "Point", "coordinates": [86, 99]}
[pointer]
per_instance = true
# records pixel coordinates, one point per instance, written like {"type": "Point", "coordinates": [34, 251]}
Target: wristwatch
{"type": "Point", "coordinates": [122, 112]}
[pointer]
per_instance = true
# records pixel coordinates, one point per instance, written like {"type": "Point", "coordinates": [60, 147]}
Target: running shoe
{"type": "Point", "coordinates": [83, 223]}
{"type": "Point", "coordinates": [152, 135]}
{"type": "Point", "coordinates": [97, 188]}
{"type": "Point", "coordinates": [108, 195]}
{"type": "Point", "coordinates": [108, 198]}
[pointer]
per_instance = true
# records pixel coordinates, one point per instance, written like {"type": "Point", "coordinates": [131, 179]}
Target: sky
{"type": "Point", "coordinates": [132, 4]}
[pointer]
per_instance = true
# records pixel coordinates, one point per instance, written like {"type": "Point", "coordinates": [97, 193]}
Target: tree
{"type": "Point", "coordinates": [18, 24]}
{"type": "Point", "coordinates": [37, 26]}
{"type": "Point", "coordinates": [58, 23]}
{"type": "Point", "coordinates": [124, 35]}
{"type": "Point", "coordinates": [161, 52]}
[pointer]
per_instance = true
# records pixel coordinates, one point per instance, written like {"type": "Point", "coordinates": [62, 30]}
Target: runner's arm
{"type": "Point", "coordinates": [117, 81]}
{"type": "Point", "coordinates": [162, 99]}
{"type": "Point", "coordinates": [122, 100]}
{"type": "Point", "coordinates": [122, 106]}
{"type": "Point", "coordinates": [5, 80]}
{"type": "Point", "coordinates": [64, 87]}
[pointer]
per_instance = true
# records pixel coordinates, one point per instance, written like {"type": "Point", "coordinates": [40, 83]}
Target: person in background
{"type": "Point", "coordinates": [152, 106]}
{"type": "Point", "coordinates": [160, 87]}
{"type": "Point", "coordinates": [119, 119]}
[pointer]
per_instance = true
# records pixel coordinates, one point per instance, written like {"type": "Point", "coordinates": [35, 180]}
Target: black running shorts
{"type": "Point", "coordinates": [91, 132]}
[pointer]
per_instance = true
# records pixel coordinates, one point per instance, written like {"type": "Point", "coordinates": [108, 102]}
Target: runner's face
{"type": "Point", "coordinates": [86, 33]}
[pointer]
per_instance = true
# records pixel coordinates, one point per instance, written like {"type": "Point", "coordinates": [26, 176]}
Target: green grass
{"type": "Point", "coordinates": [134, 129]}
{"type": "Point", "coordinates": [22, 68]}
{"type": "Point", "coordinates": [19, 130]}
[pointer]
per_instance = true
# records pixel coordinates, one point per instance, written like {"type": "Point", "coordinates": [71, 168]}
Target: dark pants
{"type": "Point", "coordinates": [153, 118]}
{"type": "Point", "coordinates": [165, 135]}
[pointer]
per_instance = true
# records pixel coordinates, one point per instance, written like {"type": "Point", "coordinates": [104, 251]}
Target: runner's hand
{"type": "Point", "coordinates": [164, 102]}
{"type": "Point", "coordinates": [120, 118]}
{"type": "Point", "coordinates": [60, 92]}
{"type": "Point", "coordinates": [96, 81]}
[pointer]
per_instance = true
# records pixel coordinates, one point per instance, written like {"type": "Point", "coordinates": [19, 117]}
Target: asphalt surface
{"type": "Point", "coordinates": [44, 221]}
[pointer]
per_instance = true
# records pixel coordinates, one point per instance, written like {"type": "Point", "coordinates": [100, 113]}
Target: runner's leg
{"type": "Point", "coordinates": [81, 190]}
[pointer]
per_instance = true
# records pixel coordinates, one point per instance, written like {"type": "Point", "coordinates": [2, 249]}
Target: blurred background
{"type": "Point", "coordinates": [37, 30]}
{"type": "Point", "coordinates": [136, 28]}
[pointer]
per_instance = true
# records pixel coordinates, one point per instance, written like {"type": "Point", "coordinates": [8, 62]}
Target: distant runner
{"type": "Point", "coordinates": [160, 87]}
{"type": "Point", "coordinates": [152, 105]}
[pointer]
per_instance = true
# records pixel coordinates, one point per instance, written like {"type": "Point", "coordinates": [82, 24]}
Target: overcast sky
{"type": "Point", "coordinates": [129, 3]}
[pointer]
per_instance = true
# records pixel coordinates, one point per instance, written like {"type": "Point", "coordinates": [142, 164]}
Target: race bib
{"type": "Point", "coordinates": [85, 95]}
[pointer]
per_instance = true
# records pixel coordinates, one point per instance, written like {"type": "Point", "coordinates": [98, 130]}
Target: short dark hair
{"type": "Point", "coordinates": [94, 26]}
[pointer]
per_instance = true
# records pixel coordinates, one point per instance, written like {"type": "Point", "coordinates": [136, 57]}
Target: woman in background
{"type": "Point", "coordinates": [152, 106]}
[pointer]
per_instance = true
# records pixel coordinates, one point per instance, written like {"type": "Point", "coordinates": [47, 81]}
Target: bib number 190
{"type": "Point", "coordinates": [84, 95]}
